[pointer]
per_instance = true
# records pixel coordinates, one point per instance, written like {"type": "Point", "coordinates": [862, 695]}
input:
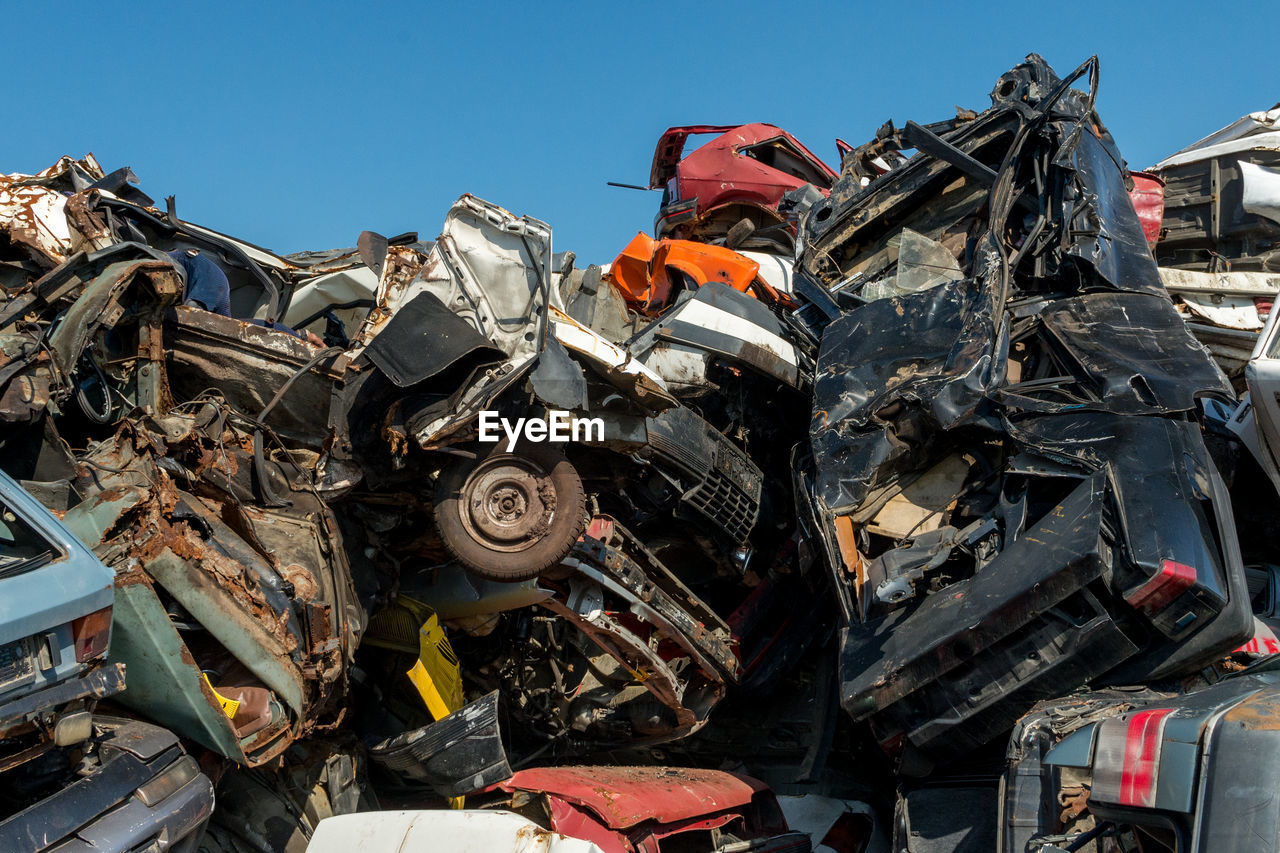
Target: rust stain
{"type": "Point", "coordinates": [1260, 712]}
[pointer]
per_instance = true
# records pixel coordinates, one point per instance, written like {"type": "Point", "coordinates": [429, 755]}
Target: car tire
{"type": "Point", "coordinates": [510, 516]}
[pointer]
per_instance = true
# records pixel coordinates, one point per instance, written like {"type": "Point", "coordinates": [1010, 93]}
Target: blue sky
{"type": "Point", "coordinates": [296, 126]}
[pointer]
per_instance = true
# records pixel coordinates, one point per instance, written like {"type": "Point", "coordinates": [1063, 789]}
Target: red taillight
{"type": "Point", "coordinates": [1128, 759]}
{"type": "Point", "coordinates": [1142, 758]}
{"type": "Point", "coordinates": [1156, 594]}
{"type": "Point", "coordinates": [1263, 304]}
{"type": "Point", "coordinates": [91, 633]}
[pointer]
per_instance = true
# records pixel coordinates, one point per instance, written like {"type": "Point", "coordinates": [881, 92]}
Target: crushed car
{"type": "Point", "coordinates": [831, 481]}
{"type": "Point", "coordinates": [1005, 463]}
{"type": "Point", "coordinates": [74, 778]}
{"type": "Point", "coordinates": [557, 517]}
{"type": "Point", "coordinates": [275, 486]}
{"type": "Point", "coordinates": [1218, 246]}
{"type": "Point", "coordinates": [234, 596]}
{"type": "Point", "coordinates": [1141, 768]}
{"type": "Point", "coordinates": [754, 172]}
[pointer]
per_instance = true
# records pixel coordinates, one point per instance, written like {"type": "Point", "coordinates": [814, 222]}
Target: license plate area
{"type": "Point", "coordinates": [16, 664]}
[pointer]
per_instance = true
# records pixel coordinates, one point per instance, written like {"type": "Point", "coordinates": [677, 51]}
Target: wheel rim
{"type": "Point", "coordinates": [508, 504]}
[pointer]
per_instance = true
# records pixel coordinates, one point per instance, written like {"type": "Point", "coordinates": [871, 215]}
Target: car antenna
{"type": "Point", "coordinates": [628, 186]}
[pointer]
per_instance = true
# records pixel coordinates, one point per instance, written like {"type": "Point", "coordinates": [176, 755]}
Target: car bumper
{"type": "Point", "coordinates": [106, 680]}
{"type": "Point", "coordinates": [147, 794]}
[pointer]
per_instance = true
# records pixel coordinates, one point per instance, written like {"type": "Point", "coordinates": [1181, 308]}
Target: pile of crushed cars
{"type": "Point", "coordinates": [924, 504]}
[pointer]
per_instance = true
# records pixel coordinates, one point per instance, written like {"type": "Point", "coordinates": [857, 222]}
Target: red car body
{"type": "Point", "coordinates": [747, 168]}
{"type": "Point", "coordinates": [634, 809]}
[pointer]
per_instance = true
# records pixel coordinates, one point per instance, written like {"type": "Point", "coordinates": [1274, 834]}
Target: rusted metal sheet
{"type": "Point", "coordinates": [1259, 712]}
{"type": "Point", "coordinates": [248, 365]}
{"type": "Point", "coordinates": [32, 208]}
{"type": "Point", "coordinates": [255, 602]}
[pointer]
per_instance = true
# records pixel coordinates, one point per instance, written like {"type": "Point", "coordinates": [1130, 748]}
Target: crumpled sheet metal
{"type": "Point", "coordinates": [889, 375]}
{"type": "Point", "coordinates": [29, 379]}
{"type": "Point", "coordinates": [1255, 131]}
{"type": "Point", "coordinates": [99, 306]}
{"type": "Point", "coordinates": [291, 628]}
{"type": "Point", "coordinates": [1107, 240]}
{"type": "Point", "coordinates": [625, 372]}
{"type": "Point", "coordinates": [1226, 299]}
{"type": "Point", "coordinates": [32, 209]}
{"type": "Point", "coordinates": [353, 287]}
{"type": "Point", "coordinates": [1060, 284]}
{"type": "Point", "coordinates": [894, 372]}
{"type": "Point", "coordinates": [886, 666]}
{"type": "Point", "coordinates": [1134, 352]}
{"type": "Point", "coordinates": [490, 267]}
{"type": "Point", "coordinates": [713, 324]}
{"type": "Point", "coordinates": [688, 684]}
{"type": "Point", "coordinates": [399, 282]}
{"type": "Point", "coordinates": [111, 325]}
{"type": "Point", "coordinates": [248, 364]}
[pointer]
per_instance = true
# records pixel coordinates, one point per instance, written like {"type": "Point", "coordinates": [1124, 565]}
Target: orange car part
{"type": "Point", "coordinates": [642, 271]}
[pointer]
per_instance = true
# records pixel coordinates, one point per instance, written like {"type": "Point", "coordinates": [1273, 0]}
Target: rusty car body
{"type": "Point", "coordinates": [263, 492]}
{"type": "Point", "coordinates": [875, 463]}
{"type": "Point", "coordinates": [72, 777]}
